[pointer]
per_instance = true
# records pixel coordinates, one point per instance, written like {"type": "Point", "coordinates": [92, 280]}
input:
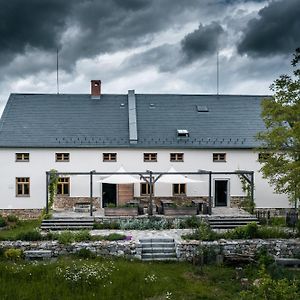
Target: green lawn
{"type": "Point", "coordinates": [21, 227]}
{"type": "Point", "coordinates": [115, 279]}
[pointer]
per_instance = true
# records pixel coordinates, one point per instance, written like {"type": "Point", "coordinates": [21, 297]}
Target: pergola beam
{"type": "Point", "coordinates": [247, 175]}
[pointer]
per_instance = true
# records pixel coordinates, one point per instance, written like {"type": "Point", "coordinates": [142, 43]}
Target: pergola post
{"type": "Point", "coordinates": [150, 212]}
{"type": "Point", "coordinates": [91, 193]}
{"type": "Point", "coordinates": [252, 187]}
{"type": "Point", "coordinates": [209, 195]}
{"type": "Point", "coordinates": [47, 192]}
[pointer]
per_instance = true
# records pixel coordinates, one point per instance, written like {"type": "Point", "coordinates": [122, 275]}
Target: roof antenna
{"type": "Point", "coordinates": [218, 71]}
{"type": "Point", "coordinates": [57, 81]}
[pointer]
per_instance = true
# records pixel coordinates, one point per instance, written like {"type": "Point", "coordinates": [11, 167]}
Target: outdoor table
{"type": "Point", "coordinates": [200, 204]}
{"type": "Point", "coordinates": [133, 203]}
{"type": "Point", "coordinates": [166, 203]}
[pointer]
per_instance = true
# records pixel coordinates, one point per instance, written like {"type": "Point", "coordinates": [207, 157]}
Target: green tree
{"type": "Point", "coordinates": [281, 139]}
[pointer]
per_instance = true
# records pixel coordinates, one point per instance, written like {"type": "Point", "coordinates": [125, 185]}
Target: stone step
{"type": "Point", "coordinates": [160, 256]}
{"type": "Point", "coordinates": [66, 227]}
{"type": "Point", "coordinates": [233, 220]}
{"type": "Point", "coordinates": [68, 223]}
{"type": "Point", "coordinates": [156, 240]}
{"type": "Point", "coordinates": [74, 220]}
{"type": "Point", "coordinates": [232, 226]}
{"type": "Point", "coordinates": [160, 259]}
{"type": "Point", "coordinates": [157, 245]}
{"type": "Point", "coordinates": [229, 223]}
{"type": "Point", "coordinates": [159, 250]}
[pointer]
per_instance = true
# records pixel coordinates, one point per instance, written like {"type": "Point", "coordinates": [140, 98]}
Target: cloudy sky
{"type": "Point", "coordinates": [152, 46]}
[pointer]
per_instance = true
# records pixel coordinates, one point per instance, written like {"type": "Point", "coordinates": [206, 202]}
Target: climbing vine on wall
{"type": "Point", "coordinates": [52, 187]}
{"type": "Point", "coordinates": [247, 203]}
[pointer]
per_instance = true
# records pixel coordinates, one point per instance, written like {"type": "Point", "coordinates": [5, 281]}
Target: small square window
{"type": "Point", "coordinates": [110, 157]}
{"type": "Point", "coordinates": [22, 186]}
{"type": "Point", "coordinates": [150, 157]}
{"type": "Point", "coordinates": [22, 157]}
{"type": "Point", "coordinates": [219, 157]}
{"type": "Point", "coordinates": [179, 189]}
{"type": "Point", "coordinates": [61, 157]}
{"type": "Point", "coordinates": [176, 157]}
{"type": "Point", "coordinates": [63, 186]}
{"type": "Point", "coordinates": [145, 189]}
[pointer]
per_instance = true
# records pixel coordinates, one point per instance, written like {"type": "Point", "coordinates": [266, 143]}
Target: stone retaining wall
{"type": "Point", "coordinates": [100, 248]}
{"type": "Point", "coordinates": [277, 247]}
{"type": "Point", "coordinates": [25, 214]}
{"type": "Point", "coordinates": [67, 203]}
{"type": "Point", "coordinates": [184, 250]}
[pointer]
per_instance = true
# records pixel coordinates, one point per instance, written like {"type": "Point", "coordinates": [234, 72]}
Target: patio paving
{"type": "Point", "coordinates": [146, 234]}
{"type": "Point", "coordinates": [216, 211]}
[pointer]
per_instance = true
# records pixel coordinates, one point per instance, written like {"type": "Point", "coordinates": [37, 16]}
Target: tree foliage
{"type": "Point", "coordinates": [281, 139]}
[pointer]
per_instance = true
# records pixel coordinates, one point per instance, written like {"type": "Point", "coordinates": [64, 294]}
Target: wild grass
{"type": "Point", "coordinates": [114, 279]}
{"type": "Point", "coordinates": [19, 228]}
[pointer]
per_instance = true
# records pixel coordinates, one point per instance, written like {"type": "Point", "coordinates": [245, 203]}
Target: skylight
{"type": "Point", "coordinates": [183, 133]}
{"type": "Point", "coordinates": [202, 108]}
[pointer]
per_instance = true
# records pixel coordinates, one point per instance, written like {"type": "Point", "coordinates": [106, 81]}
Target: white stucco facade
{"type": "Point", "coordinates": [85, 160]}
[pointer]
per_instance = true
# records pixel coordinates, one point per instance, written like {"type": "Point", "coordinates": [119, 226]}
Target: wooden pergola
{"type": "Point", "coordinates": [151, 177]}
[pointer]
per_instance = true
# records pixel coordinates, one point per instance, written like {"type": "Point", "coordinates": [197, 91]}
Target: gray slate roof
{"type": "Point", "coordinates": [76, 120]}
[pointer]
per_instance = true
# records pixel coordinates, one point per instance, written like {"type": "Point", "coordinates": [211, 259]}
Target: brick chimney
{"type": "Point", "coordinates": [95, 89]}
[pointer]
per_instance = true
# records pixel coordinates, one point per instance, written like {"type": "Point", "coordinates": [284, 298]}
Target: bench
{"type": "Point", "coordinates": [179, 211]}
{"type": "Point", "coordinates": [83, 207]}
{"type": "Point", "coordinates": [120, 211]}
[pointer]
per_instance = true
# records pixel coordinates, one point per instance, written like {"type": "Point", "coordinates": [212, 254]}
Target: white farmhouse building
{"type": "Point", "coordinates": [102, 132]}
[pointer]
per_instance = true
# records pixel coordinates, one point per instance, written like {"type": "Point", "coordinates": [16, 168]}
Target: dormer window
{"type": "Point", "coordinates": [183, 133]}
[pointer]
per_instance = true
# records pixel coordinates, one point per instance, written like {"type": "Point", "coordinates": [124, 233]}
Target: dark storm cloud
{"type": "Point", "coordinates": [196, 45]}
{"type": "Point", "coordinates": [32, 23]}
{"type": "Point", "coordinates": [86, 28]}
{"type": "Point", "coordinates": [276, 31]}
{"type": "Point", "coordinates": [203, 41]}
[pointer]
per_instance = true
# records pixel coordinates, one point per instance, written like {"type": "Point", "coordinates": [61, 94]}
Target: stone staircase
{"type": "Point", "coordinates": [230, 222]}
{"type": "Point", "coordinates": [68, 224]}
{"type": "Point", "coordinates": [157, 249]}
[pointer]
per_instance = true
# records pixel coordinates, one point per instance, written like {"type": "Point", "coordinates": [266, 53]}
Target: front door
{"type": "Point", "coordinates": [221, 192]}
{"type": "Point", "coordinates": [109, 194]}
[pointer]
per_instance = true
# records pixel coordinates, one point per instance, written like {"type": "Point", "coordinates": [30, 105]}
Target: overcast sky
{"type": "Point", "coordinates": [152, 46]}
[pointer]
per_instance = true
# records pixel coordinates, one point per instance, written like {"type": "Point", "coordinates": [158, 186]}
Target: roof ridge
{"type": "Point", "coordinates": [146, 94]}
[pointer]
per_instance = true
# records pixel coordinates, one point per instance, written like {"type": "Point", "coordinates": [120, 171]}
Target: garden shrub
{"type": "Point", "coordinates": [273, 232]}
{"type": "Point", "coordinates": [2, 222]}
{"type": "Point", "coordinates": [115, 237]}
{"type": "Point", "coordinates": [106, 225]}
{"type": "Point", "coordinates": [249, 231]}
{"type": "Point", "coordinates": [263, 257]}
{"type": "Point", "coordinates": [82, 235]}
{"type": "Point", "coordinates": [203, 232]}
{"type": "Point", "coordinates": [85, 253]}
{"type": "Point", "coordinates": [267, 288]}
{"type": "Point", "coordinates": [14, 254]}
{"type": "Point", "coordinates": [65, 237]}
{"type": "Point", "coordinates": [32, 235]}
{"type": "Point", "coordinates": [277, 221]}
{"type": "Point", "coordinates": [190, 222]}
{"type": "Point", "coordinates": [12, 219]}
